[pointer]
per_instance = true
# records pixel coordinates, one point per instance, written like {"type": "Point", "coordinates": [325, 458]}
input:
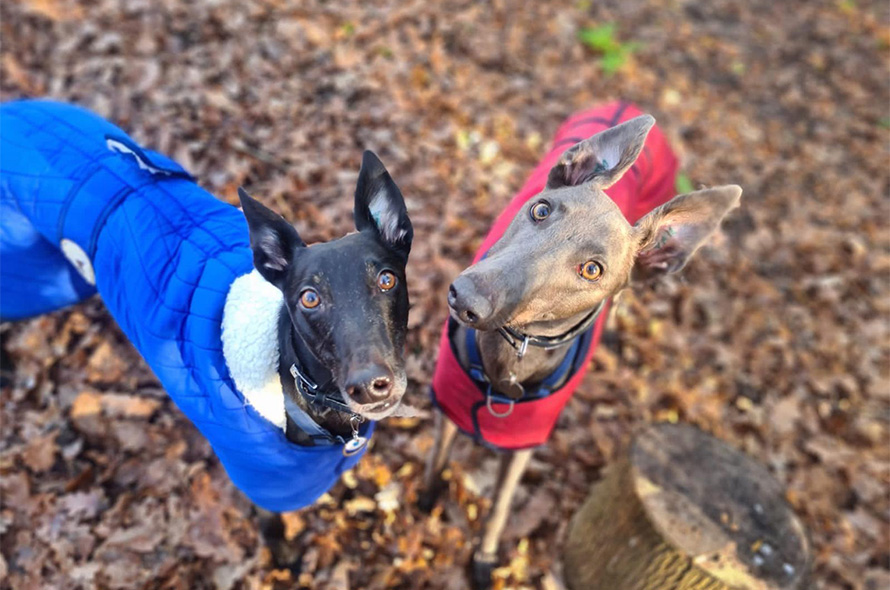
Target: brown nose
{"type": "Point", "coordinates": [369, 384]}
{"type": "Point", "coordinates": [466, 299]}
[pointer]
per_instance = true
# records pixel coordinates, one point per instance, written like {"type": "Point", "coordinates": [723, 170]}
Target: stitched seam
{"type": "Point", "coordinates": [159, 183]}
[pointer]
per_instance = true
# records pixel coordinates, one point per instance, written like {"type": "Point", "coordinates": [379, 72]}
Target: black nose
{"type": "Point", "coordinates": [468, 301]}
{"type": "Point", "coordinates": [369, 384]}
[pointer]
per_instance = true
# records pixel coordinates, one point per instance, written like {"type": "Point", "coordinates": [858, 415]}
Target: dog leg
{"type": "Point", "coordinates": [433, 484]}
{"type": "Point", "coordinates": [285, 555]}
{"type": "Point", "coordinates": [485, 559]}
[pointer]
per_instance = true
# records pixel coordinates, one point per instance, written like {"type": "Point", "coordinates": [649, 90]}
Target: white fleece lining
{"type": "Point", "coordinates": [250, 344]}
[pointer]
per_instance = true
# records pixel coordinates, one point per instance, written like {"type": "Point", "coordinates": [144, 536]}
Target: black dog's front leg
{"type": "Point", "coordinates": [284, 554]}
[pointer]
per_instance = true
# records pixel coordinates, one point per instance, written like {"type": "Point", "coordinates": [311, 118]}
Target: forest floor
{"type": "Point", "coordinates": [775, 338]}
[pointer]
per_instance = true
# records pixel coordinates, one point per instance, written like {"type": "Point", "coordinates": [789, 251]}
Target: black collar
{"type": "Point", "coordinates": [520, 342]}
{"type": "Point", "coordinates": [327, 396]}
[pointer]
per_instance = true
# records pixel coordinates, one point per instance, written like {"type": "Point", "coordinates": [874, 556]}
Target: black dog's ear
{"type": "Point", "coordinates": [380, 208]}
{"type": "Point", "coordinates": [273, 240]}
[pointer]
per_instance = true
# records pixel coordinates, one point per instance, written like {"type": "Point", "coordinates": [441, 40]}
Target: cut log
{"type": "Point", "coordinates": [685, 511]}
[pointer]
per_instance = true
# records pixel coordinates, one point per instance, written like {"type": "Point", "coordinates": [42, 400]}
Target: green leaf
{"type": "Point", "coordinates": [613, 53]}
{"type": "Point", "coordinates": [612, 62]}
{"type": "Point", "coordinates": [683, 185]}
{"type": "Point", "coordinates": [600, 38]}
{"type": "Point", "coordinates": [847, 6]}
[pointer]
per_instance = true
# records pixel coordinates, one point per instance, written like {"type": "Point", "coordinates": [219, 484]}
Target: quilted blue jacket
{"type": "Point", "coordinates": [83, 209]}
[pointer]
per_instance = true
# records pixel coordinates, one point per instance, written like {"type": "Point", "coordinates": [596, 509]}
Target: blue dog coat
{"type": "Point", "coordinates": [83, 209]}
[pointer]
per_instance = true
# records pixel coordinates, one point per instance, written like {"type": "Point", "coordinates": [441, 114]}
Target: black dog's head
{"type": "Point", "coordinates": [347, 299]}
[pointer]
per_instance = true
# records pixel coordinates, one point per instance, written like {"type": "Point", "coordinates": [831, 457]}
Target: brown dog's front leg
{"type": "Point", "coordinates": [433, 484]}
{"type": "Point", "coordinates": [512, 467]}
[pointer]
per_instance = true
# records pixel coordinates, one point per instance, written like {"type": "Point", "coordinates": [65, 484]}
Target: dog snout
{"type": "Point", "coordinates": [370, 384]}
{"type": "Point", "coordinates": [471, 305]}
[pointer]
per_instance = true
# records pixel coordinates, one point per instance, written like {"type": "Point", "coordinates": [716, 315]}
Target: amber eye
{"type": "Point", "coordinates": [386, 280]}
{"type": "Point", "coordinates": [590, 270]}
{"type": "Point", "coordinates": [309, 299]}
{"type": "Point", "coordinates": [540, 211]}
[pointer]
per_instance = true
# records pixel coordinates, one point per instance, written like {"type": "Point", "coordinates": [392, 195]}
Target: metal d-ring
{"type": "Point", "coordinates": [491, 409]}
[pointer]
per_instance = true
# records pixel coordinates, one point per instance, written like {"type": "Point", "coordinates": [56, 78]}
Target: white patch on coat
{"type": "Point", "coordinates": [250, 344]}
{"type": "Point", "coordinates": [79, 259]}
{"type": "Point", "coordinates": [386, 217]}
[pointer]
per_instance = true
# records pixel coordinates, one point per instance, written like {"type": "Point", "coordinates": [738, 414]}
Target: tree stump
{"type": "Point", "coordinates": [685, 511]}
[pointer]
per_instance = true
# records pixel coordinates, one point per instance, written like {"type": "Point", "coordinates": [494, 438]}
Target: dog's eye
{"type": "Point", "coordinates": [309, 299]}
{"type": "Point", "coordinates": [590, 270]}
{"type": "Point", "coordinates": [540, 211]}
{"type": "Point", "coordinates": [386, 280]}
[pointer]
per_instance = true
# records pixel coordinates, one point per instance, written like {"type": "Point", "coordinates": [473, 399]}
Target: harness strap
{"type": "Point", "coordinates": [547, 386]}
{"type": "Point", "coordinates": [476, 369]}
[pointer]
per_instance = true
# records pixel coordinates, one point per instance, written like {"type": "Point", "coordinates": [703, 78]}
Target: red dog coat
{"type": "Point", "coordinates": [461, 394]}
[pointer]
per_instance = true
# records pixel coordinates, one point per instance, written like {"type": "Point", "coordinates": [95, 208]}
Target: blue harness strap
{"type": "Point", "coordinates": [476, 369]}
{"type": "Point", "coordinates": [547, 386]}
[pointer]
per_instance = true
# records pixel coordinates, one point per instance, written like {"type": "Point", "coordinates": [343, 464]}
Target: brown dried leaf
{"type": "Point", "coordinates": [40, 453]}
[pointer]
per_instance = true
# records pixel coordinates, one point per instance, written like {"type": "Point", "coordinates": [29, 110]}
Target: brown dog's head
{"type": "Point", "coordinates": [571, 247]}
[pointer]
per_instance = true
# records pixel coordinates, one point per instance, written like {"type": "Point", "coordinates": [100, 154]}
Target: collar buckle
{"type": "Point", "coordinates": [297, 375]}
{"type": "Point", "coordinates": [523, 348]}
{"type": "Point", "coordinates": [310, 392]}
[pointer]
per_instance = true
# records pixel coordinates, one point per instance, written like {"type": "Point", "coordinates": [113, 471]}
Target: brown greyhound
{"type": "Point", "coordinates": [564, 254]}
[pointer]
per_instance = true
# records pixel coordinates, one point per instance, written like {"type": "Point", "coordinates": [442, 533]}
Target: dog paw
{"type": "Point", "coordinates": [286, 556]}
{"type": "Point", "coordinates": [427, 500]}
{"type": "Point", "coordinates": [481, 568]}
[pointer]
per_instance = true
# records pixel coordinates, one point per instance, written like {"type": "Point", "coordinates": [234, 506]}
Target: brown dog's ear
{"type": "Point", "coordinates": [273, 240]}
{"type": "Point", "coordinates": [669, 235]}
{"type": "Point", "coordinates": [603, 158]}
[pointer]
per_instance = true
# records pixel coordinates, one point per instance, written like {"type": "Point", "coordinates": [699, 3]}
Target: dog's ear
{"type": "Point", "coordinates": [380, 208]}
{"type": "Point", "coordinates": [603, 158]}
{"type": "Point", "coordinates": [670, 234]}
{"type": "Point", "coordinates": [273, 240]}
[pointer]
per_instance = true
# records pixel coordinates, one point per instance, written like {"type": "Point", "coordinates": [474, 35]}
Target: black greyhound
{"type": "Point", "coordinates": [261, 341]}
{"type": "Point", "coordinates": [343, 319]}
